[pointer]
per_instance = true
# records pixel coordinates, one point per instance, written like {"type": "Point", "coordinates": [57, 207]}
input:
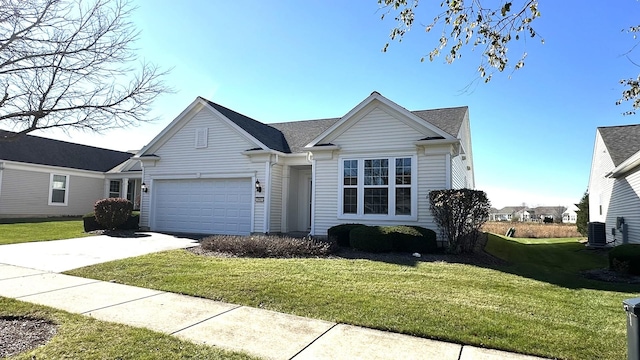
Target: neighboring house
{"type": "Point", "coordinates": [553, 212]}
{"type": "Point", "coordinates": [570, 216]}
{"type": "Point", "coordinates": [213, 170]}
{"type": "Point", "coordinates": [614, 183]}
{"type": "Point", "coordinates": [42, 177]}
{"type": "Point", "coordinates": [504, 214]}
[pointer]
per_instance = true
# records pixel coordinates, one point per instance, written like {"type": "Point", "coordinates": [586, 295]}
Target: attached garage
{"type": "Point", "coordinates": [205, 206]}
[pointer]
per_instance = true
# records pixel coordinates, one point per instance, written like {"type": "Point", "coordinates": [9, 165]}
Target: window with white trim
{"type": "Point", "coordinates": [114, 188]}
{"type": "Point", "coordinates": [58, 189]}
{"type": "Point", "coordinates": [378, 187]}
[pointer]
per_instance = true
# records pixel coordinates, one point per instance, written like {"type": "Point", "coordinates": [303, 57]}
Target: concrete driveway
{"type": "Point", "coordinates": [63, 255]}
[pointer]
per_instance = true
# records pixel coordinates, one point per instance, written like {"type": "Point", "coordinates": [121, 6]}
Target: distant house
{"type": "Point", "coordinates": [521, 213]}
{"type": "Point", "coordinates": [570, 216]}
{"type": "Point", "coordinates": [505, 214]}
{"type": "Point", "coordinates": [614, 183]}
{"type": "Point", "coordinates": [42, 177]}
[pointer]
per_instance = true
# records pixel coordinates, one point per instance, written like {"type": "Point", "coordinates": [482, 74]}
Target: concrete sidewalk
{"type": "Point", "coordinates": [263, 333]}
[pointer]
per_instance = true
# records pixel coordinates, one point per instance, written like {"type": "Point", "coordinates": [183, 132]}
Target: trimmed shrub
{"type": "Point", "coordinates": [371, 239]}
{"type": "Point", "coordinates": [340, 233]}
{"type": "Point", "coordinates": [112, 212]}
{"type": "Point", "coordinates": [412, 238]}
{"type": "Point", "coordinates": [91, 224]}
{"type": "Point", "coordinates": [267, 246]}
{"type": "Point", "coordinates": [625, 258]}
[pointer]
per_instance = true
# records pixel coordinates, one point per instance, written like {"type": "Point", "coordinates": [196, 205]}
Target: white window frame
{"type": "Point", "coordinates": [66, 190]}
{"type": "Point", "coordinates": [360, 215]}
{"type": "Point", "coordinates": [119, 188]}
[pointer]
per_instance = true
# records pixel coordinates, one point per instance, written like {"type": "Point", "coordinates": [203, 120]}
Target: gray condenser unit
{"type": "Point", "coordinates": [597, 234]}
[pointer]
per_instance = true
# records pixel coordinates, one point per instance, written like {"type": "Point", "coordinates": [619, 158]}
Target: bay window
{"type": "Point", "coordinates": [378, 187]}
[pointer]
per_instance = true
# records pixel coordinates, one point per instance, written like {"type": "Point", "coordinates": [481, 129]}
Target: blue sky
{"type": "Point", "coordinates": [288, 60]}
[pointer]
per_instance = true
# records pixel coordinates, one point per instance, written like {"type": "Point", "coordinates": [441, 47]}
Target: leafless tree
{"type": "Point", "coordinates": [70, 64]}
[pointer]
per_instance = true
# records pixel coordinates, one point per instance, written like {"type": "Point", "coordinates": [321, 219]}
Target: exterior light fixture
{"type": "Point", "coordinates": [144, 187]}
{"type": "Point", "coordinates": [258, 187]}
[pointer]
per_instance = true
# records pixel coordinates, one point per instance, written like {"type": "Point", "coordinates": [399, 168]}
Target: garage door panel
{"type": "Point", "coordinates": [211, 206]}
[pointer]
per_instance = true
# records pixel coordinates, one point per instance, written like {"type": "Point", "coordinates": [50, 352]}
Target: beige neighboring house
{"type": "Point", "coordinates": [42, 177]}
{"type": "Point", "coordinates": [213, 170]}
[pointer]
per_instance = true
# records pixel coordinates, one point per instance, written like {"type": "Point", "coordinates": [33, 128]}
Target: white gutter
{"type": "Point", "coordinates": [626, 166]}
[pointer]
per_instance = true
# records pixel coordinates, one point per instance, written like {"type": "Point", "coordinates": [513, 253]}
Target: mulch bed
{"type": "Point", "coordinates": [19, 334]}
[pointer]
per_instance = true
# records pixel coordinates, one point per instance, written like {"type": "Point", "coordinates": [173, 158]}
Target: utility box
{"type": "Point", "coordinates": [632, 308]}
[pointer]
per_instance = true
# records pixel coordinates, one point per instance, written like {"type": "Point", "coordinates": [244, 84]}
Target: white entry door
{"type": "Point", "coordinates": [204, 206]}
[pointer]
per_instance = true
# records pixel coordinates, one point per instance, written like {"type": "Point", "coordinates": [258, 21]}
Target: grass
{"type": "Point", "coordinates": [13, 231]}
{"type": "Point", "coordinates": [533, 229]}
{"type": "Point", "coordinates": [80, 337]}
{"type": "Point", "coordinates": [539, 306]}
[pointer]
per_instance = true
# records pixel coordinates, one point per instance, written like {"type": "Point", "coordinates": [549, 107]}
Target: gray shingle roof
{"type": "Point", "coordinates": [266, 134]}
{"type": "Point", "coordinates": [292, 137]}
{"type": "Point", "coordinates": [448, 120]}
{"type": "Point", "coordinates": [37, 150]}
{"type": "Point", "coordinates": [300, 133]}
{"type": "Point", "coordinates": [621, 141]}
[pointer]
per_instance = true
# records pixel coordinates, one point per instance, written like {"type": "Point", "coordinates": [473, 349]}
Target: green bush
{"type": "Point", "coordinates": [625, 258]}
{"type": "Point", "coordinates": [112, 212]}
{"type": "Point", "coordinates": [371, 239]}
{"type": "Point", "coordinates": [340, 233]}
{"type": "Point", "coordinates": [411, 238]}
{"type": "Point", "coordinates": [91, 224]}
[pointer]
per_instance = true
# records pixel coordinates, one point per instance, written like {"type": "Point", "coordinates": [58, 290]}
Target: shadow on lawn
{"type": "Point", "coordinates": [562, 264]}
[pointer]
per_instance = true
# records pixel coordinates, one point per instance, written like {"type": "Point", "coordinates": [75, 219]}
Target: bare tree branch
{"type": "Point", "coordinates": [70, 64]}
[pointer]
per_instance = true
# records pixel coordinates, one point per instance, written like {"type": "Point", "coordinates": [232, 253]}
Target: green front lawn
{"type": "Point", "coordinates": [13, 231]}
{"type": "Point", "coordinates": [81, 337]}
{"type": "Point", "coordinates": [539, 305]}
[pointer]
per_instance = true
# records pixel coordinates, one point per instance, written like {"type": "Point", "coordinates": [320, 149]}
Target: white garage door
{"type": "Point", "coordinates": [206, 206]}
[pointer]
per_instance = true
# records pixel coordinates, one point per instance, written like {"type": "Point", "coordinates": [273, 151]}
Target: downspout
{"type": "Point", "coordinates": [1, 171]}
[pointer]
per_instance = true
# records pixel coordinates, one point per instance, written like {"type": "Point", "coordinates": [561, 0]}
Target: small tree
{"type": "Point", "coordinates": [112, 212]}
{"type": "Point", "coordinates": [582, 217]}
{"type": "Point", "coordinates": [460, 214]}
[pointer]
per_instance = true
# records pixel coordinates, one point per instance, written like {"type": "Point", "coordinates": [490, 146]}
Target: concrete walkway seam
{"type": "Point", "coordinates": [58, 289]}
{"type": "Point", "coordinates": [207, 319]}
{"type": "Point", "coordinates": [314, 340]}
{"type": "Point", "coordinates": [121, 303]}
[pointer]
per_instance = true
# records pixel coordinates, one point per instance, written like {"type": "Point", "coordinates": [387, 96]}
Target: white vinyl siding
{"type": "Point", "coordinates": [275, 221]}
{"type": "Point", "coordinates": [458, 173]}
{"type": "Point", "coordinates": [26, 193]}
{"type": "Point", "coordinates": [600, 187]}
{"type": "Point", "coordinates": [222, 156]}
{"type": "Point", "coordinates": [625, 202]}
{"type": "Point", "coordinates": [380, 132]}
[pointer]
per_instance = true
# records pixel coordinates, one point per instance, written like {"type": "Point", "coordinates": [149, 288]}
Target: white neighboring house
{"type": "Point", "coordinates": [41, 177]}
{"type": "Point", "coordinates": [213, 170]}
{"type": "Point", "coordinates": [614, 183]}
{"type": "Point", "coordinates": [570, 216]}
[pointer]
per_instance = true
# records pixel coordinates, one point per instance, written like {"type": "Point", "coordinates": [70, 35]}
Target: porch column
{"type": "Point", "coordinates": [125, 188]}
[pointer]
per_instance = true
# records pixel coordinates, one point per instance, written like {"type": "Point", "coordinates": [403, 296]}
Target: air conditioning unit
{"type": "Point", "coordinates": [597, 234]}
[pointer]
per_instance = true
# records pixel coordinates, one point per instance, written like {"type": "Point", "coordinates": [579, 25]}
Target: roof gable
{"type": "Point", "coordinates": [418, 120]}
{"type": "Point", "coordinates": [37, 150]}
{"type": "Point", "coordinates": [621, 141]}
